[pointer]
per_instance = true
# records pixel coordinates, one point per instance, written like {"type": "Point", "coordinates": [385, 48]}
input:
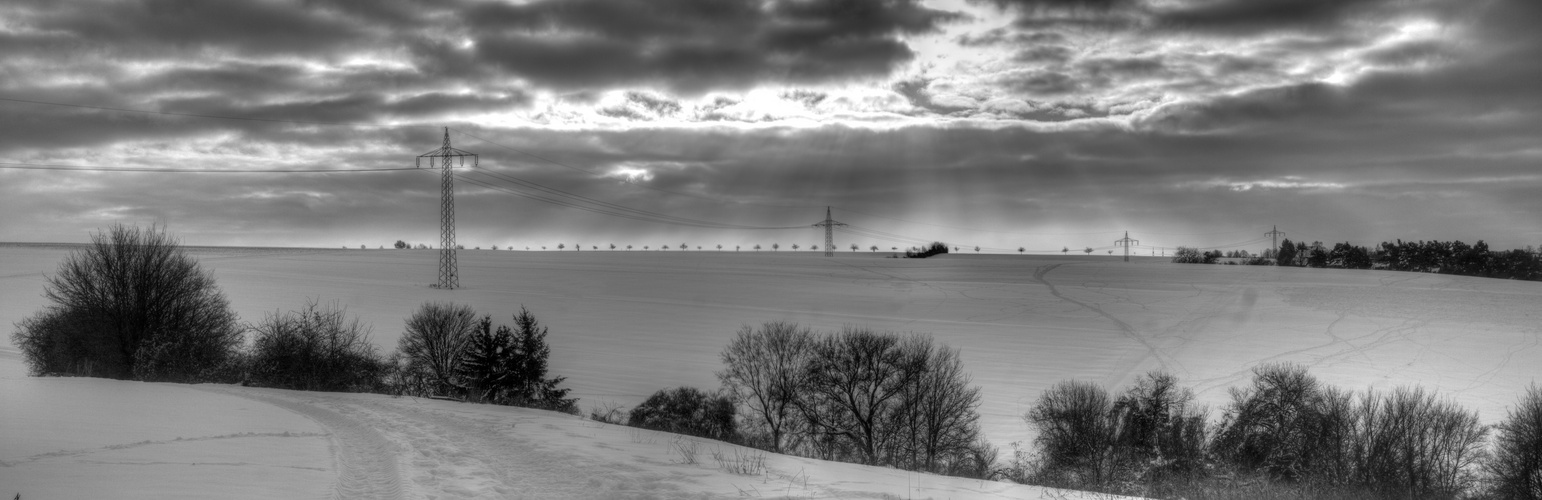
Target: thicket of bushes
{"type": "Point", "coordinates": [856, 395]}
{"type": "Point", "coordinates": [131, 305]}
{"type": "Point", "coordinates": [447, 352]}
{"type": "Point", "coordinates": [937, 247]}
{"type": "Point", "coordinates": [1286, 431]}
{"type": "Point", "coordinates": [315, 348]}
{"type": "Point", "coordinates": [687, 410]}
{"type": "Point", "coordinates": [1187, 255]}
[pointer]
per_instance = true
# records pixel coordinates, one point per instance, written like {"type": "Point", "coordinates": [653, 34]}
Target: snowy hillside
{"type": "Point", "coordinates": [625, 324]}
{"type": "Point", "coordinates": [94, 438]}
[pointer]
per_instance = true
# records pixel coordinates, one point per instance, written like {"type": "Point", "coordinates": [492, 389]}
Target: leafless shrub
{"type": "Point", "coordinates": [608, 412]}
{"type": "Point", "coordinates": [743, 462]}
{"type": "Point", "coordinates": [315, 348]}
{"type": "Point", "coordinates": [132, 304]}
{"type": "Point", "coordinates": [686, 449]}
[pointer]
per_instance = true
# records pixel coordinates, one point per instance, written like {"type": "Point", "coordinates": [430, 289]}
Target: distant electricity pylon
{"type": "Point", "coordinates": [449, 273]}
{"type": "Point", "coordinates": [1126, 242]}
{"type": "Point", "coordinates": [829, 225]}
{"type": "Point", "coordinates": [1275, 235]}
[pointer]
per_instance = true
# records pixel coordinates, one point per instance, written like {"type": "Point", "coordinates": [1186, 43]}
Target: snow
{"type": "Point", "coordinates": [625, 324]}
{"type": "Point", "coordinates": [96, 438]}
{"type": "Point", "coordinates": [93, 438]}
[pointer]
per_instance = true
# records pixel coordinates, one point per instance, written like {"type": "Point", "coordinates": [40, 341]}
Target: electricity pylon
{"type": "Point", "coordinates": [1275, 235]}
{"type": "Point", "coordinates": [829, 225]}
{"type": "Point", "coordinates": [449, 272]}
{"type": "Point", "coordinates": [1126, 242]}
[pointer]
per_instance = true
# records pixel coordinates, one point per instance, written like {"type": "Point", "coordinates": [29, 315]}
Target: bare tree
{"type": "Point", "coordinates": [1088, 250]}
{"type": "Point", "coordinates": [873, 248]}
{"type": "Point", "coordinates": [945, 422]}
{"type": "Point", "coordinates": [794, 246]}
{"type": "Point", "coordinates": [433, 341]}
{"type": "Point", "coordinates": [764, 371]}
{"type": "Point", "coordinates": [855, 380]}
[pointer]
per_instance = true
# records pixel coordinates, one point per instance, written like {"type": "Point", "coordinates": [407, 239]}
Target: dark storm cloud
{"type": "Point", "coordinates": [154, 27]}
{"type": "Point", "coordinates": [1078, 14]}
{"type": "Point", "coordinates": [1222, 137]}
{"type": "Point", "coordinates": [692, 46]}
{"type": "Point", "coordinates": [1241, 17]}
{"type": "Point", "coordinates": [1000, 36]}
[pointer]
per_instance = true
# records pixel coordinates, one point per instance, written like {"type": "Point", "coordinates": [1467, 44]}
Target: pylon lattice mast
{"type": "Point", "coordinates": [1126, 242]}
{"type": "Point", "coordinates": [444, 157]}
{"type": "Point", "coordinates": [1274, 235]}
{"type": "Point", "coordinates": [829, 225]}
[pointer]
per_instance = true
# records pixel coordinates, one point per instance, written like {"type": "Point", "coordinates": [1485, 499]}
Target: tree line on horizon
{"type": "Point", "coordinates": [1441, 257]}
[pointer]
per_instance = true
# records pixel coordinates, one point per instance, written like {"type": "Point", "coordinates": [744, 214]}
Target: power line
{"type": "Point", "coordinates": [966, 228]}
{"type": "Point", "coordinates": [644, 186]}
{"type": "Point", "coordinates": [625, 213]}
{"type": "Point", "coordinates": [85, 168]}
{"type": "Point", "coordinates": [171, 113]}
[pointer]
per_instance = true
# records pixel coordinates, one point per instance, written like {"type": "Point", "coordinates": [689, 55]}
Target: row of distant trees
{"type": "Point", "coordinates": [134, 305]}
{"type": "Point", "coordinates": [403, 245]}
{"type": "Point", "coordinates": [1443, 257]}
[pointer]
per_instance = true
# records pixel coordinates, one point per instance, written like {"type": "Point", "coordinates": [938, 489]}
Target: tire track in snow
{"type": "Point", "coordinates": [1040, 275]}
{"type": "Point", "coordinates": [366, 461]}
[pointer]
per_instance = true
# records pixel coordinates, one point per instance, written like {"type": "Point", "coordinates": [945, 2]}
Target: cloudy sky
{"type": "Point", "coordinates": [1000, 123]}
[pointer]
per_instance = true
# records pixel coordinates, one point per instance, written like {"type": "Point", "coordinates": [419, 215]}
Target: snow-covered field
{"type": "Point", "coordinates": [624, 324]}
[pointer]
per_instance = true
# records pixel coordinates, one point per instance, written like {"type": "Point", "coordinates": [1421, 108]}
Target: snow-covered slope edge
{"type": "Point", "coordinates": [94, 438]}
